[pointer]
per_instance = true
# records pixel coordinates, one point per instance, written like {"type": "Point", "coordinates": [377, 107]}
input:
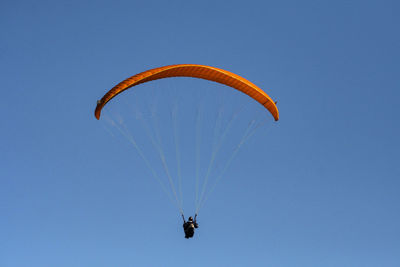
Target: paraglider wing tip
{"type": "Point", "coordinates": [98, 110]}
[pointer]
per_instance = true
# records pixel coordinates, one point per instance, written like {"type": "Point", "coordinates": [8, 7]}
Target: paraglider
{"type": "Point", "coordinates": [194, 71]}
{"type": "Point", "coordinates": [189, 226]}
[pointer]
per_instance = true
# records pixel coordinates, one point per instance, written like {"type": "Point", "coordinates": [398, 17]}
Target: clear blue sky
{"type": "Point", "coordinates": [319, 188]}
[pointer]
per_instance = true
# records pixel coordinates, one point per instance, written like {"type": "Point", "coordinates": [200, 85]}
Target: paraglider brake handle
{"type": "Point", "coordinates": [183, 217]}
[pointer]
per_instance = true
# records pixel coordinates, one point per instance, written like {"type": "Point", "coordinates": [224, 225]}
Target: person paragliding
{"type": "Point", "coordinates": [189, 226]}
{"type": "Point", "coordinates": [209, 73]}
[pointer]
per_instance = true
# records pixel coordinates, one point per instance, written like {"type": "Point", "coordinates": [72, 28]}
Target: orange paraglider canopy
{"type": "Point", "coordinates": [195, 71]}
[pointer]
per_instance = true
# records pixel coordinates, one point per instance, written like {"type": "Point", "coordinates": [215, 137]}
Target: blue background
{"type": "Point", "coordinates": [321, 189]}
